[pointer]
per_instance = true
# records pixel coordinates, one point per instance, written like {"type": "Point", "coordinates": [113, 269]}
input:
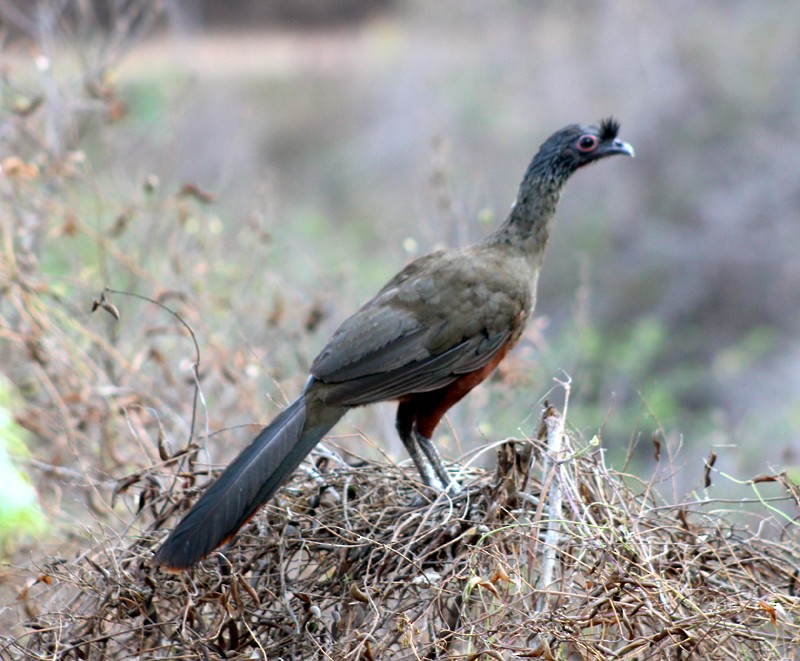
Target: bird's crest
{"type": "Point", "coordinates": [609, 127]}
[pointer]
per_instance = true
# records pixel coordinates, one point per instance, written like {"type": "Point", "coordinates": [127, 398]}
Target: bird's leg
{"type": "Point", "coordinates": [427, 469]}
{"type": "Point", "coordinates": [432, 454]}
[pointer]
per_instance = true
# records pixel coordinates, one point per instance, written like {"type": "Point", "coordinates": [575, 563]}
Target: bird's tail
{"type": "Point", "coordinates": [246, 484]}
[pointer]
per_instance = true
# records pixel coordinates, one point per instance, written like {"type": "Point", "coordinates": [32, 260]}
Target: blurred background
{"type": "Point", "coordinates": [262, 168]}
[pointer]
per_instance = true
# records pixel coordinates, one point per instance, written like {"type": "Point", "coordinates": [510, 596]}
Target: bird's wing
{"type": "Point", "coordinates": [376, 339]}
{"type": "Point", "coordinates": [404, 366]}
{"type": "Point", "coordinates": [443, 316]}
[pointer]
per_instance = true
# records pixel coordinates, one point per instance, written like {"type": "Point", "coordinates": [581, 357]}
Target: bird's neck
{"type": "Point", "coordinates": [527, 227]}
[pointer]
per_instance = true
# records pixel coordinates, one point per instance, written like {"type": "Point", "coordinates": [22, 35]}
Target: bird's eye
{"type": "Point", "coordinates": [587, 142]}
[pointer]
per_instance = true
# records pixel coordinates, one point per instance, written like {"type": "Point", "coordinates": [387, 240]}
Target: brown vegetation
{"type": "Point", "coordinates": [554, 557]}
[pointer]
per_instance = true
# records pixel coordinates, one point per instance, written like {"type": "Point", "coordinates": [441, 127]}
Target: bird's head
{"type": "Point", "coordinates": [559, 156]}
{"type": "Point", "coordinates": [575, 146]}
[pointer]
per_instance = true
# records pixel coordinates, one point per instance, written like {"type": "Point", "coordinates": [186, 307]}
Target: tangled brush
{"type": "Point", "coordinates": [552, 556]}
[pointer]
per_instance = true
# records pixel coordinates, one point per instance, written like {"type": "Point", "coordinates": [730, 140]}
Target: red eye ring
{"type": "Point", "coordinates": [587, 142]}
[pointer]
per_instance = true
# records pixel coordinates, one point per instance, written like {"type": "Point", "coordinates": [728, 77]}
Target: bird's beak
{"type": "Point", "coordinates": [617, 147]}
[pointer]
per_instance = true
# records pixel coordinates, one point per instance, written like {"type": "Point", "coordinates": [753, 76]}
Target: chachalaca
{"type": "Point", "coordinates": [435, 331]}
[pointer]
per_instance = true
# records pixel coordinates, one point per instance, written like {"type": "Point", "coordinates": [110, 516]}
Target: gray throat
{"type": "Point", "coordinates": [528, 224]}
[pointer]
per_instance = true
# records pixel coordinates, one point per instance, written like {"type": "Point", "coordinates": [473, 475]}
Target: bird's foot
{"type": "Point", "coordinates": [422, 499]}
{"type": "Point", "coordinates": [429, 493]}
{"type": "Point", "coordinates": [453, 489]}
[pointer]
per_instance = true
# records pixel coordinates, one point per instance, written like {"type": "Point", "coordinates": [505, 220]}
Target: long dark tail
{"type": "Point", "coordinates": [246, 484]}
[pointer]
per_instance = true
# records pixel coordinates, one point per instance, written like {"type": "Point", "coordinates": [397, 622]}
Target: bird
{"type": "Point", "coordinates": [432, 333]}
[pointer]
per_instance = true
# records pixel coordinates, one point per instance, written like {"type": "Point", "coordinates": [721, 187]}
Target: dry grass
{"type": "Point", "coordinates": [343, 567]}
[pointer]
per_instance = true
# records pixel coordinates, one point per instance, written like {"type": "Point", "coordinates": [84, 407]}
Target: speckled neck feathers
{"type": "Point", "coordinates": [527, 226]}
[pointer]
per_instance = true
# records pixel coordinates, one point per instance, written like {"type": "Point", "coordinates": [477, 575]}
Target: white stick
{"type": "Point", "coordinates": [554, 424]}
